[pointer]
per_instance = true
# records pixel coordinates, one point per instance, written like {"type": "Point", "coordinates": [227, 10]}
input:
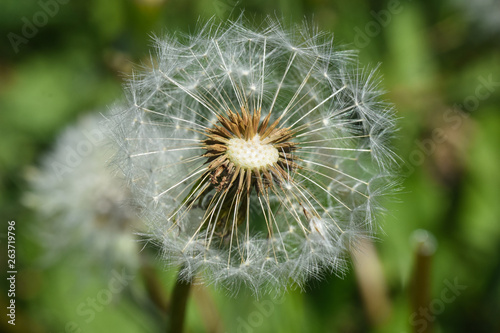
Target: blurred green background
{"type": "Point", "coordinates": [441, 68]}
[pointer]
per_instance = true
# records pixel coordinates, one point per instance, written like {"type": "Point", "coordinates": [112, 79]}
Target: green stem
{"type": "Point", "coordinates": [425, 246]}
{"type": "Point", "coordinates": [178, 305]}
{"type": "Point", "coordinates": [153, 285]}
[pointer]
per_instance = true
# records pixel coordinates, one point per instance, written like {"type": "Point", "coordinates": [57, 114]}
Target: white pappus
{"type": "Point", "coordinates": [257, 155]}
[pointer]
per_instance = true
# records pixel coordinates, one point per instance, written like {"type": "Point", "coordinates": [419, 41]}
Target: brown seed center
{"type": "Point", "coordinates": [245, 153]}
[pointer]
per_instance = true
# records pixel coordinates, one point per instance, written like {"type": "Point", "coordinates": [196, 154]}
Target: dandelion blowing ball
{"type": "Point", "coordinates": [257, 156]}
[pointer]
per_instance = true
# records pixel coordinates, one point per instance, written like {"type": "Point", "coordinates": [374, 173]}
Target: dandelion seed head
{"type": "Point", "coordinates": [84, 207]}
{"type": "Point", "coordinates": [261, 173]}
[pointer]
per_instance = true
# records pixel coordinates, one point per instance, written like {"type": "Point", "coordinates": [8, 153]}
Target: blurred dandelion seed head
{"type": "Point", "coordinates": [257, 155]}
{"type": "Point", "coordinates": [81, 204]}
